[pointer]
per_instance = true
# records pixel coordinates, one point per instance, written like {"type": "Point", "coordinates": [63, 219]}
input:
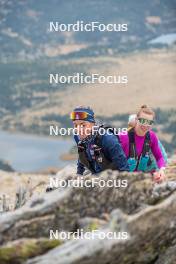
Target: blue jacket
{"type": "Point", "coordinates": [112, 150]}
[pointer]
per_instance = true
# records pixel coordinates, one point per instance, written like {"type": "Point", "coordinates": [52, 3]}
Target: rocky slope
{"type": "Point", "coordinates": [13, 184]}
{"type": "Point", "coordinates": [144, 211]}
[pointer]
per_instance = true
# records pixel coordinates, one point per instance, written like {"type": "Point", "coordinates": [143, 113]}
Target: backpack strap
{"type": "Point", "coordinates": [144, 160]}
{"type": "Point", "coordinates": [132, 147]}
{"type": "Point", "coordinates": [76, 139]}
{"type": "Point", "coordinates": [98, 140]}
{"type": "Point", "coordinates": [83, 157]}
{"type": "Point", "coordinates": [146, 146]}
{"type": "Point", "coordinates": [100, 156]}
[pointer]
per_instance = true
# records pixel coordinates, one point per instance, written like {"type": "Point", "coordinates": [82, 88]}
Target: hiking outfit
{"type": "Point", "coordinates": [100, 152]}
{"type": "Point", "coordinates": [97, 152]}
{"type": "Point", "coordinates": [144, 153]}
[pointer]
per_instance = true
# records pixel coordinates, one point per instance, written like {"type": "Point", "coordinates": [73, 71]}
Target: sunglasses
{"type": "Point", "coordinates": [145, 122]}
{"type": "Point", "coordinates": [79, 115]}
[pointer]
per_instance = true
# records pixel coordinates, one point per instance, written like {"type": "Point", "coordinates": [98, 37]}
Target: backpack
{"type": "Point", "coordinates": [99, 155]}
{"type": "Point", "coordinates": [141, 163]}
{"type": "Point", "coordinates": [146, 162]}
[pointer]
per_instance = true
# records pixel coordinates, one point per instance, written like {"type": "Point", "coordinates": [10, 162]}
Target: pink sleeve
{"type": "Point", "coordinates": [156, 150]}
{"type": "Point", "coordinates": [124, 143]}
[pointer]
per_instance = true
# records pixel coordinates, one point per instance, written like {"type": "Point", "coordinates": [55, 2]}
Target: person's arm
{"type": "Point", "coordinates": [114, 152]}
{"type": "Point", "coordinates": [157, 153]}
{"type": "Point", "coordinates": [80, 168]}
{"type": "Point", "coordinates": [156, 150]}
{"type": "Point", "coordinates": [124, 142]}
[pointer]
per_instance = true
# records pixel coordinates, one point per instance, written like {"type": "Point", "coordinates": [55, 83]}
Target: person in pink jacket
{"type": "Point", "coordinates": [140, 142]}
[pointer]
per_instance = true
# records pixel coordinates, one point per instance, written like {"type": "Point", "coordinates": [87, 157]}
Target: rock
{"type": "Point", "coordinates": [63, 207]}
{"type": "Point", "coordinates": [138, 208]}
{"type": "Point", "coordinates": [151, 232]}
{"type": "Point", "coordinates": [89, 223]}
{"type": "Point", "coordinates": [169, 257]}
{"type": "Point", "coordinates": [163, 190]}
{"type": "Point", "coordinates": [17, 188]}
{"type": "Point", "coordinates": [20, 250]}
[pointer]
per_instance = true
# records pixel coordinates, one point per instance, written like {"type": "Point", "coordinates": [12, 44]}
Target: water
{"type": "Point", "coordinates": [26, 153]}
{"type": "Point", "coordinates": [168, 39]}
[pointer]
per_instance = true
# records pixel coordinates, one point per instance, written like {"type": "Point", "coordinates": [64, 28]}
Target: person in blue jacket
{"type": "Point", "coordinates": [96, 152]}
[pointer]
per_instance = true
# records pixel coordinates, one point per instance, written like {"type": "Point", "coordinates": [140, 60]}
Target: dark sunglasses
{"type": "Point", "coordinates": [145, 122]}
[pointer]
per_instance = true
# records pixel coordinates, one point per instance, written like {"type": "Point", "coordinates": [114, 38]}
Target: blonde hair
{"type": "Point", "coordinates": [146, 110]}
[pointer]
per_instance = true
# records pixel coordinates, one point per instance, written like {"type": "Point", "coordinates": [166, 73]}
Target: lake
{"type": "Point", "coordinates": [167, 39]}
{"type": "Point", "coordinates": [28, 153]}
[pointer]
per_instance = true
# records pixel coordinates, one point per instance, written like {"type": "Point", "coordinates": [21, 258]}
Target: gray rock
{"type": "Point", "coordinates": [151, 233]}
{"type": "Point", "coordinates": [63, 207]}
{"type": "Point", "coordinates": [169, 257]}
{"type": "Point", "coordinates": [149, 220]}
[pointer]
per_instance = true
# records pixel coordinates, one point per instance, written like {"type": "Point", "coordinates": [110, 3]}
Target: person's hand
{"type": "Point", "coordinates": [160, 176]}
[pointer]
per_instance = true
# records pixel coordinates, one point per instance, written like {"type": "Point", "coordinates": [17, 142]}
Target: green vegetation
{"type": "Point", "coordinates": [25, 64]}
{"type": "Point", "coordinates": [16, 16]}
{"type": "Point", "coordinates": [23, 249]}
{"type": "Point", "coordinates": [26, 84]}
